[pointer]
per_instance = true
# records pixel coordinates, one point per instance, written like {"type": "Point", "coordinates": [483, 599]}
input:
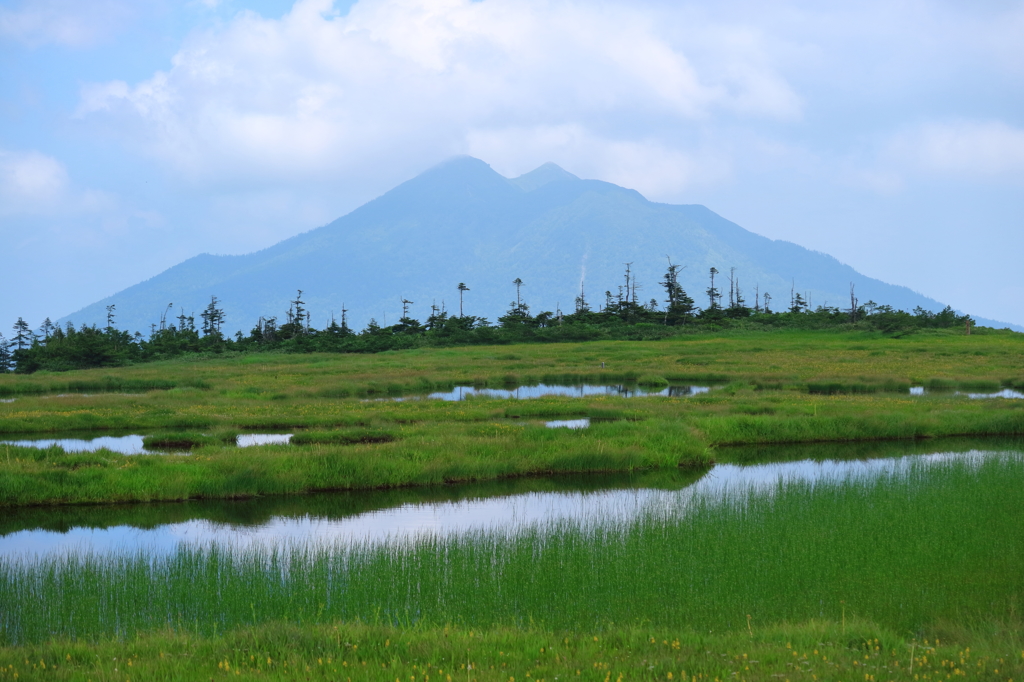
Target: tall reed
{"type": "Point", "coordinates": [926, 543]}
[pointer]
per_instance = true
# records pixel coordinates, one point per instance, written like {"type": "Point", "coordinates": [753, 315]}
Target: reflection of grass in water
{"type": "Point", "coordinates": [939, 542]}
{"type": "Point", "coordinates": [864, 450]}
{"type": "Point", "coordinates": [337, 505]}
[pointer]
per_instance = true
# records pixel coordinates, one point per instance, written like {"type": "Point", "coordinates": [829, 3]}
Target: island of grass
{"type": "Point", "coordinates": [356, 423]}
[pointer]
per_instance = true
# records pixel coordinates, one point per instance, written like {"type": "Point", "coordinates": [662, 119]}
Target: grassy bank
{"type": "Point", "coordinates": [924, 544]}
{"type": "Point", "coordinates": [791, 359]}
{"type": "Point", "coordinates": [781, 387]}
{"type": "Point", "coordinates": [812, 651]}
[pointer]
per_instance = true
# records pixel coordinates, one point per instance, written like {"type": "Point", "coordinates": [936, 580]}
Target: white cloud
{"type": "Point", "coordinates": [985, 148]}
{"type": "Point", "coordinates": [987, 151]}
{"type": "Point", "coordinates": [64, 22]}
{"type": "Point", "coordinates": [30, 182]}
{"type": "Point", "coordinates": [315, 92]}
{"type": "Point", "coordinates": [651, 166]}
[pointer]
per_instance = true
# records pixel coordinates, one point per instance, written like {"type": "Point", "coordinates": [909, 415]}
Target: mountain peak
{"type": "Point", "coordinates": [541, 176]}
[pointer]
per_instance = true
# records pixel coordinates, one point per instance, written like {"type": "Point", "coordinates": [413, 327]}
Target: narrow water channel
{"type": "Point", "coordinates": [507, 506]}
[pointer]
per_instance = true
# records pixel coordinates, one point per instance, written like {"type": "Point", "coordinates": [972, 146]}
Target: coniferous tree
{"type": "Point", "coordinates": [437, 318]}
{"type": "Point", "coordinates": [6, 361]}
{"type": "Point", "coordinates": [407, 325]}
{"type": "Point", "coordinates": [799, 304]}
{"type": "Point", "coordinates": [519, 299]}
{"type": "Point", "coordinates": [213, 318]}
{"type": "Point", "coordinates": [46, 329]}
{"type": "Point", "coordinates": [712, 292]}
{"type": "Point", "coordinates": [296, 325]}
{"type": "Point", "coordinates": [23, 336]}
{"type": "Point", "coordinates": [680, 305]}
{"type": "Point", "coordinates": [462, 289]}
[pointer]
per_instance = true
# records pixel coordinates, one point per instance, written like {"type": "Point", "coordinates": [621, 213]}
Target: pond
{"type": "Point", "coordinates": [132, 443]}
{"type": "Point", "coordinates": [375, 516]}
{"type": "Point", "coordinates": [563, 390]}
{"type": "Point", "coordinates": [905, 535]}
{"type": "Point", "coordinates": [1004, 393]}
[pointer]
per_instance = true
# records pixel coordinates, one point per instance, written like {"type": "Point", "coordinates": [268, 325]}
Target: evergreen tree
{"type": "Point", "coordinates": [462, 289]}
{"type": "Point", "coordinates": [680, 306]}
{"type": "Point", "coordinates": [6, 361]}
{"type": "Point", "coordinates": [437, 318]}
{"type": "Point", "coordinates": [799, 304]}
{"type": "Point", "coordinates": [713, 295]}
{"type": "Point", "coordinates": [407, 325]}
{"type": "Point", "coordinates": [23, 336]}
{"type": "Point", "coordinates": [213, 318]}
{"type": "Point", "coordinates": [296, 325]}
{"type": "Point", "coordinates": [46, 329]}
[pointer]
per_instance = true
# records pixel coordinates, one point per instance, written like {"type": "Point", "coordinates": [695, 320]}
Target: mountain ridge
{"type": "Point", "coordinates": [461, 221]}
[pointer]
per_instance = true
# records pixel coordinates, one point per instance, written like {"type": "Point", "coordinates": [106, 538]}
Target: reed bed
{"type": "Point", "coordinates": [927, 543]}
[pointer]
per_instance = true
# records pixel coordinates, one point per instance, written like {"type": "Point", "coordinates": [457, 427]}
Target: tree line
{"type": "Point", "coordinates": [619, 314]}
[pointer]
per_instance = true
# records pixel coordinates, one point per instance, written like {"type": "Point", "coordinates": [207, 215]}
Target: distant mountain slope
{"type": "Point", "coordinates": [463, 222]}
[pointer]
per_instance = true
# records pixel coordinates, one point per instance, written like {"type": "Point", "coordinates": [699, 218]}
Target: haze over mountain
{"type": "Point", "coordinates": [463, 222]}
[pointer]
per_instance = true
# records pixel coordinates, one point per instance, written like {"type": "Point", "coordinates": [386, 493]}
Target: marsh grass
{"type": "Point", "coordinates": [106, 384]}
{"type": "Point", "coordinates": [840, 651]}
{"type": "Point", "coordinates": [418, 454]}
{"type": "Point", "coordinates": [187, 440]}
{"type": "Point", "coordinates": [764, 400]}
{"type": "Point", "coordinates": [924, 544]}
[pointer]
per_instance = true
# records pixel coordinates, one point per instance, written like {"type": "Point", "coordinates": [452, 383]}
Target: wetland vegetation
{"type": "Point", "coordinates": [779, 387]}
{"type": "Point", "coordinates": [927, 550]}
{"type": "Point", "coordinates": [912, 550]}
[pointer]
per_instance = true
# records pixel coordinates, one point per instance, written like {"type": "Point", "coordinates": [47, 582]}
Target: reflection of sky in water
{"type": "Point", "coordinates": [246, 440]}
{"type": "Point", "coordinates": [126, 445]}
{"type": "Point", "coordinates": [568, 424]}
{"type": "Point", "coordinates": [545, 390]}
{"type": "Point", "coordinates": [132, 444]}
{"type": "Point", "coordinates": [1005, 393]}
{"type": "Point", "coordinates": [504, 514]}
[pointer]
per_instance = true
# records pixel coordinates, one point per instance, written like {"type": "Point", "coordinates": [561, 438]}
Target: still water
{"type": "Point", "coordinates": [132, 444]}
{"type": "Point", "coordinates": [567, 391]}
{"type": "Point", "coordinates": [505, 506]}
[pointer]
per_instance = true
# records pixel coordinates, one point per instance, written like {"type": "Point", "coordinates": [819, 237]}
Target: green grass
{"type": "Point", "coordinates": [931, 544]}
{"type": "Point", "coordinates": [782, 387]}
{"type": "Point", "coordinates": [811, 651]}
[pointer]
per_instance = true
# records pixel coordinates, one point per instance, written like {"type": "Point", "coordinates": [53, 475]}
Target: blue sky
{"type": "Point", "coordinates": [135, 134]}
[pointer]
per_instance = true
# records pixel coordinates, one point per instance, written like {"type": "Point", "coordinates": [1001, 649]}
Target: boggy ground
{"type": "Point", "coordinates": [813, 651]}
{"type": "Point", "coordinates": [777, 387]}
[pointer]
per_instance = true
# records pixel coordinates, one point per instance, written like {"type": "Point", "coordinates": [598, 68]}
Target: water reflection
{"type": "Point", "coordinates": [249, 439]}
{"type": "Point", "coordinates": [568, 424]}
{"type": "Point", "coordinates": [130, 444]}
{"type": "Point", "coordinates": [567, 391]}
{"type": "Point", "coordinates": [504, 506]}
{"type": "Point", "coordinates": [1005, 393]}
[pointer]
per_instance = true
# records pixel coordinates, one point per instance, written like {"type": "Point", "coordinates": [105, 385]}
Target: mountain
{"type": "Point", "coordinates": [463, 222]}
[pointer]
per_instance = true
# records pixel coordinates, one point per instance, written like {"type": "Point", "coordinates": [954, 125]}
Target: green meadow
{"type": "Point", "coordinates": [929, 549]}
{"type": "Point", "coordinates": [350, 433]}
{"type": "Point", "coordinates": [910, 574]}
